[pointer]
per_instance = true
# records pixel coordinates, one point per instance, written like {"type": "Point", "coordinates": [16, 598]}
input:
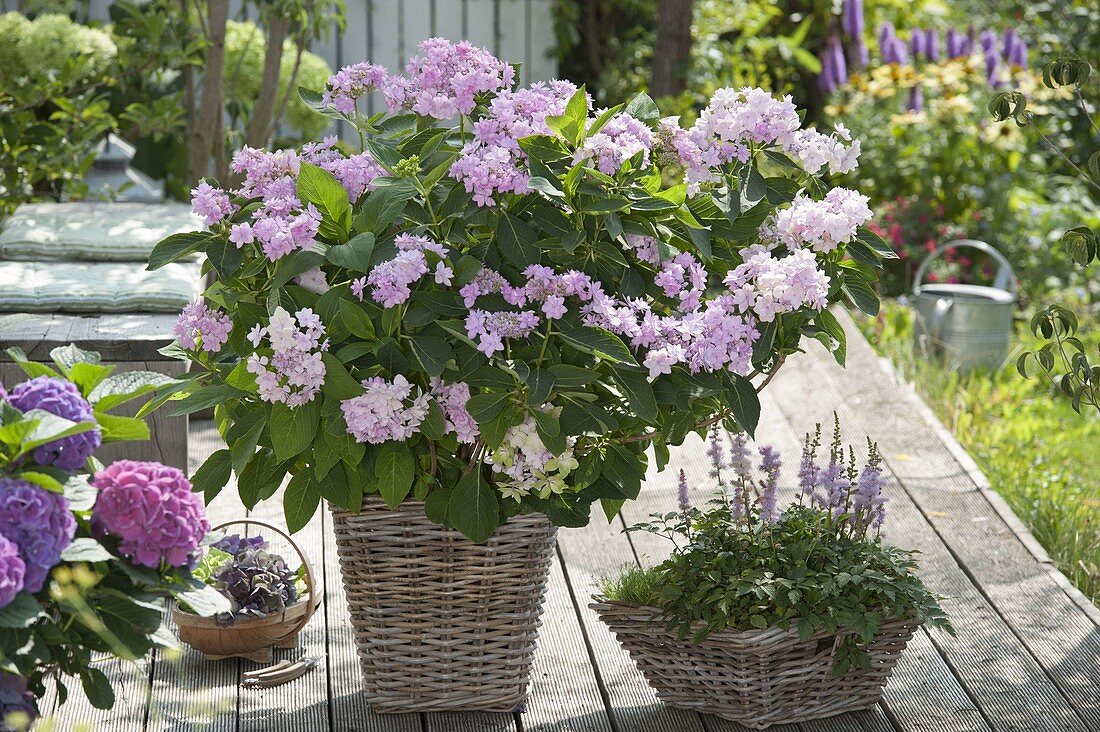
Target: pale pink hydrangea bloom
{"type": "Point", "coordinates": [444, 80]}
{"type": "Point", "coordinates": [619, 140]}
{"type": "Point", "coordinates": [294, 372]}
{"type": "Point", "coordinates": [821, 225]}
{"type": "Point", "coordinates": [387, 410]}
{"type": "Point", "coordinates": [313, 280]}
{"type": "Point", "coordinates": [198, 322]}
{"type": "Point", "coordinates": [211, 203]}
{"type": "Point", "coordinates": [765, 285]}
{"type": "Point", "coordinates": [391, 281]}
{"type": "Point", "coordinates": [346, 86]}
{"type": "Point", "coordinates": [452, 400]}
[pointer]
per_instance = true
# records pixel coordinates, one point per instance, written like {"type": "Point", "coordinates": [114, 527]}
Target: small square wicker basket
{"type": "Point", "coordinates": [758, 678]}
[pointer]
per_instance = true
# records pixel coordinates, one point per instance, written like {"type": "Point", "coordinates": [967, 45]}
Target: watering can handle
{"type": "Point", "coordinates": [1004, 267]}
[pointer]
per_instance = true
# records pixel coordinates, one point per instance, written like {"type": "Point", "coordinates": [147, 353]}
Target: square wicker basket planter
{"type": "Point", "coordinates": [757, 678]}
{"type": "Point", "coordinates": [442, 623]}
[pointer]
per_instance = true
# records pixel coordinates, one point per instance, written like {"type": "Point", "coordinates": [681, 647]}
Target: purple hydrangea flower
{"type": "Point", "coordinates": [13, 571]}
{"type": "Point", "coordinates": [385, 412]}
{"type": "Point", "coordinates": [212, 204]}
{"type": "Point", "coordinates": [15, 699]}
{"type": "Point", "coordinates": [235, 543]}
{"type": "Point", "coordinates": [445, 78]}
{"type": "Point", "coordinates": [37, 521]}
{"type": "Point", "coordinates": [200, 322]}
{"type": "Point", "coordinates": [151, 509]}
{"type": "Point", "coordinates": [63, 399]}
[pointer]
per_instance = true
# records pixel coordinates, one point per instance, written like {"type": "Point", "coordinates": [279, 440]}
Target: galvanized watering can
{"type": "Point", "coordinates": [967, 325]}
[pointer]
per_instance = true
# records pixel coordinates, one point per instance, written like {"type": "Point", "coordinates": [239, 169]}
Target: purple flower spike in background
{"type": "Point", "coordinates": [988, 40]}
{"type": "Point", "coordinates": [916, 100]}
{"type": "Point", "coordinates": [834, 69]}
{"type": "Point", "coordinates": [917, 46]}
{"type": "Point", "coordinates": [37, 521]}
{"type": "Point", "coordinates": [151, 509]}
{"type": "Point", "coordinates": [885, 33]}
{"type": "Point", "coordinates": [852, 20]}
{"type": "Point", "coordinates": [932, 44]}
{"type": "Point", "coordinates": [894, 51]}
{"type": "Point", "coordinates": [682, 492]}
{"type": "Point", "coordinates": [992, 63]}
{"type": "Point", "coordinates": [13, 571]}
{"type": "Point", "coordinates": [60, 398]}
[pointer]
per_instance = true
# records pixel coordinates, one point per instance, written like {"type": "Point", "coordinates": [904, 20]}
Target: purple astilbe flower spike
{"type": "Point", "coordinates": [741, 464]}
{"type": "Point", "coordinates": [840, 65]}
{"type": "Point", "coordinates": [863, 55]}
{"type": "Point", "coordinates": [915, 103]}
{"type": "Point", "coordinates": [868, 503]}
{"type": "Point", "coordinates": [992, 64]}
{"type": "Point", "coordinates": [808, 472]}
{"type": "Point", "coordinates": [1008, 42]}
{"type": "Point", "coordinates": [716, 454]}
{"type": "Point", "coordinates": [769, 486]}
{"type": "Point", "coordinates": [682, 493]}
{"type": "Point", "coordinates": [1019, 53]}
{"type": "Point", "coordinates": [894, 51]}
{"type": "Point", "coordinates": [971, 39]}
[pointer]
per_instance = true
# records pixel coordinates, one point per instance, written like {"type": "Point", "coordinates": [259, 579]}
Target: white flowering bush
{"type": "Point", "coordinates": [500, 303]}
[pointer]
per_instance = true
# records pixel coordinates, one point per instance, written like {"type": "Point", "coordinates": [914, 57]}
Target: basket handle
{"type": "Point", "coordinates": [1005, 274]}
{"type": "Point", "coordinates": [311, 585]}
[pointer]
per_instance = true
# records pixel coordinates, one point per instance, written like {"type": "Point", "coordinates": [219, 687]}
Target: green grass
{"type": "Point", "coordinates": [1038, 453]}
{"type": "Point", "coordinates": [632, 585]}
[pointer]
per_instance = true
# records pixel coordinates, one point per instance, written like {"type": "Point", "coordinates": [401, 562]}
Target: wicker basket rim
{"type": "Point", "coordinates": [194, 620]}
{"type": "Point", "coordinates": [600, 601]}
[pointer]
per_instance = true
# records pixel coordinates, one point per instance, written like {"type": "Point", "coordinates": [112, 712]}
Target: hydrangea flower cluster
{"type": "Point", "coordinates": [619, 140]}
{"type": "Point", "coordinates": [452, 399]}
{"type": "Point", "coordinates": [211, 203]}
{"type": "Point", "coordinates": [765, 285]}
{"type": "Point", "coordinates": [525, 466]}
{"type": "Point", "coordinates": [346, 86]}
{"type": "Point", "coordinates": [63, 399]}
{"type": "Point", "coordinates": [391, 280]}
{"type": "Point", "coordinates": [235, 543]}
{"type": "Point", "coordinates": [151, 509]}
{"type": "Point", "coordinates": [200, 326]}
{"type": "Point", "coordinates": [445, 79]}
{"type": "Point", "coordinates": [39, 523]}
{"type": "Point", "coordinates": [13, 571]}
{"type": "Point", "coordinates": [737, 119]}
{"type": "Point", "coordinates": [821, 225]}
{"type": "Point", "coordinates": [294, 372]}
{"type": "Point", "coordinates": [493, 162]}
{"type": "Point", "coordinates": [313, 280]}
{"type": "Point", "coordinates": [387, 410]}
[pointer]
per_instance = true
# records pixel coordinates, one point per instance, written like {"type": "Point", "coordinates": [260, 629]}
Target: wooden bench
{"type": "Point", "coordinates": [128, 342]}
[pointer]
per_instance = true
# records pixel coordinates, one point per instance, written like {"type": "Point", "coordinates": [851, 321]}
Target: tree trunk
{"type": "Point", "coordinates": [204, 123]}
{"type": "Point", "coordinates": [672, 51]}
{"type": "Point", "coordinates": [261, 120]}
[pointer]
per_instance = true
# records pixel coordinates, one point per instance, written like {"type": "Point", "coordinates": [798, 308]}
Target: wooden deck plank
{"type": "Point", "coordinates": [987, 656]}
{"type": "Point", "coordinates": [565, 694]}
{"type": "Point", "coordinates": [587, 554]}
{"type": "Point", "coordinates": [471, 722]}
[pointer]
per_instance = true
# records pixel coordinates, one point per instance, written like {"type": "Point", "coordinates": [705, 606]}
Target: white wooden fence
{"type": "Point", "coordinates": [387, 32]}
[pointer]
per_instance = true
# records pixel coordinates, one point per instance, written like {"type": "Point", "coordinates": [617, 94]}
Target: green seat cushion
{"type": "Point", "coordinates": [97, 287]}
{"type": "Point", "coordinates": [92, 231]}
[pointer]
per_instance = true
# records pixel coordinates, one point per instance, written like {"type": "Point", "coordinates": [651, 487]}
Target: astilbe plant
{"type": "Point", "coordinates": [817, 565]}
{"type": "Point", "coordinates": [499, 316]}
{"type": "Point", "coordinates": [88, 555]}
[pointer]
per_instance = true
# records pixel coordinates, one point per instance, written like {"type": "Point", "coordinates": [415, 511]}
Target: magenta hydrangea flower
{"type": "Point", "coordinates": [61, 398]}
{"type": "Point", "coordinates": [37, 521]}
{"type": "Point", "coordinates": [15, 698]}
{"type": "Point", "coordinates": [150, 508]}
{"type": "Point", "coordinates": [199, 322]}
{"type": "Point", "coordinates": [13, 571]}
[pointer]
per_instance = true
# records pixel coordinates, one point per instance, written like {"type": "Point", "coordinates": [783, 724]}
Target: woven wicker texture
{"type": "Point", "coordinates": [757, 678]}
{"type": "Point", "coordinates": [442, 623]}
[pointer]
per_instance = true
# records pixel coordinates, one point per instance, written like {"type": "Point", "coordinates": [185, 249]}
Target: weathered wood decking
{"type": "Point", "coordinates": [1026, 657]}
